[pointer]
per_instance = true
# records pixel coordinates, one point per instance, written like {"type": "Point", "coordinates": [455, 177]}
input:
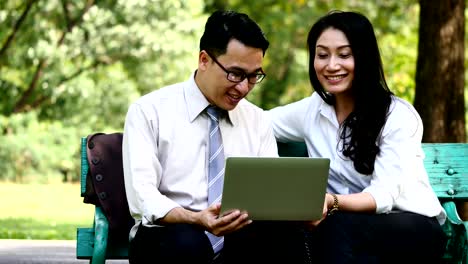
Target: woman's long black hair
{"type": "Point", "coordinates": [361, 129]}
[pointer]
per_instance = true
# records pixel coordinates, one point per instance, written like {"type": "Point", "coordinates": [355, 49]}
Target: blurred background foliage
{"type": "Point", "coordinates": [71, 68]}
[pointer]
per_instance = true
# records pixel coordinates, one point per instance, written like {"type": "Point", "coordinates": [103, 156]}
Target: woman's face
{"type": "Point", "coordinates": [334, 61]}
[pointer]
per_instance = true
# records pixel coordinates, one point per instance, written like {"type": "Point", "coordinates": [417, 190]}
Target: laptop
{"type": "Point", "coordinates": [276, 188]}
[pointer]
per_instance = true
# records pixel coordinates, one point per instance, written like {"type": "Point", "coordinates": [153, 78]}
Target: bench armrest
{"type": "Point", "coordinates": [101, 227]}
{"type": "Point", "coordinates": [457, 232]}
{"type": "Point", "coordinates": [452, 214]}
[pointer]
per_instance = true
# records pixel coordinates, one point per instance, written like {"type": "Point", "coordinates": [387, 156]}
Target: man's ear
{"type": "Point", "coordinates": [202, 60]}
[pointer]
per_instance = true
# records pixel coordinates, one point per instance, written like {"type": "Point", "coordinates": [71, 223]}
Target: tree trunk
{"type": "Point", "coordinates": [440, 70]}
{"type": "Point", "coordinates": [440, 73]}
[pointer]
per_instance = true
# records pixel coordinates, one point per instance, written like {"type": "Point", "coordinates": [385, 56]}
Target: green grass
{"type": "Point", "coordinates": [42, 211]}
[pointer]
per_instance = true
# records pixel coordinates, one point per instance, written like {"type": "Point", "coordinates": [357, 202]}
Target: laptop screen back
{"type": "Point", "coordinates": [280, 188]}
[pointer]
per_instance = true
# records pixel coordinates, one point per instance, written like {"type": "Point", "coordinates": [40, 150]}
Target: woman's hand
{"type": "Point", "coordinates": [328, 203]}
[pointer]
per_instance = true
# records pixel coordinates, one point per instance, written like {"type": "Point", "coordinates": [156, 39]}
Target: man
{"type": "Point", "coordinates": [167, 159]}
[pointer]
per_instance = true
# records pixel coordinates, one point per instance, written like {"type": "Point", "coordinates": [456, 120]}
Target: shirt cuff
{"type": "Point", "coordinates": [383, 199]}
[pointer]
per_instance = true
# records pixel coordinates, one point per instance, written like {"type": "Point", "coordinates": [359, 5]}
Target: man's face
{"type": "Point", "coordinates": [238, 59]}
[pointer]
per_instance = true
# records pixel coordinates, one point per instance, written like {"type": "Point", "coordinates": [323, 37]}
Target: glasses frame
{"type": "Point", "coordinates": [239, 76]}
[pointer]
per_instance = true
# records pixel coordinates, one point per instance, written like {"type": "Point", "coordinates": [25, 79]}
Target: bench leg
{"type": "Point", "coordinates": [101, 226]}
{"type": "Point", "coordinates": [457, 231]}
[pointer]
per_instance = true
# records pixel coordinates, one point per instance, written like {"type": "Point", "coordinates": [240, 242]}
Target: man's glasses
{"type": "Point", "coordinates": [239, 76]}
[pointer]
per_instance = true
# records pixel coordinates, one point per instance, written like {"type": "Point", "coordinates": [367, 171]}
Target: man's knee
{"type": "Point", "coordinates": [175, 243]}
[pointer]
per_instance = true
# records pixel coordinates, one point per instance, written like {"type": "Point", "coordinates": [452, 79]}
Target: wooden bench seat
{"type": "Point", "coordinates": [446, 164]}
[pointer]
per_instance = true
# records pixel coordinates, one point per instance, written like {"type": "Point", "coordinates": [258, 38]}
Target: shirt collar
{"type": "Point", "coordinates": [233, 116]}
{"type": "Point", "coordinates": [196, 102]}
{"type": "Point", "coordinates": [328, 111]}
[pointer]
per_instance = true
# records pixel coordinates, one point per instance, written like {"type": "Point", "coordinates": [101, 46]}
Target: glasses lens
{"type": "Point", "coordinates": [236, 76]}
{"type": "Point", "coordinates": [240, 76]}
{"type": "Point", "coordinates": [256, 78]}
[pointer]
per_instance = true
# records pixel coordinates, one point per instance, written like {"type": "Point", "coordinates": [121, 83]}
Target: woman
{"type": "Point", "coordinates": [380, 207]}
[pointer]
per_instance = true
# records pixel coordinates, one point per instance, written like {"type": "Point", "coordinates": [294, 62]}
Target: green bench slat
{"type": "Point", "coordinates": [85, 243]}
{"type": "Point", "coordinates": [447, 166]}
{"type": "Point", "coordinates": [84, 166]}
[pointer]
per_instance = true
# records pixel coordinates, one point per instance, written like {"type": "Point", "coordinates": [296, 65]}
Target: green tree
{"type": "Point", "coordinates": [70, 68]}
{"type": "Point", "coordinates": [61, 57]}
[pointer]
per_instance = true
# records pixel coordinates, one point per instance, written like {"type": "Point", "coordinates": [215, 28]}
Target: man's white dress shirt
{"type": "Point", "coordinates": [399, 181]}
{"type": "Point", "coordinates": [165, 148]}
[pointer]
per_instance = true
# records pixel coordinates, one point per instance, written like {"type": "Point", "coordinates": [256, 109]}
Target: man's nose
{"type": "Point", "coordinates": [243, 86]}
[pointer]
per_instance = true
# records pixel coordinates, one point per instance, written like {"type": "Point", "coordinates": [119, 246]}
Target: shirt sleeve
{"type": "Point", "coordinates": [400, 161]}
{"type": "Point", "coordinates": [268, 146]}
{"type": "Point", "coordinates": [142, 168]}
{"type": "Point", "coordinates": [288, 121]}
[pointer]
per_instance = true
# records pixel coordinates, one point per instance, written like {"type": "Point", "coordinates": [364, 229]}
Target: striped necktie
{"type": "Point", "coordinates": [215, 169]}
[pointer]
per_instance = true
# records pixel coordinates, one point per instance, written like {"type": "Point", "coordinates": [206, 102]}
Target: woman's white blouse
{"type": "Point", "coordinates": [399, 181]}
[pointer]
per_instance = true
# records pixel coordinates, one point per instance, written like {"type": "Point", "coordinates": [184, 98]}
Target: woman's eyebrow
{"type": "Point", "coordinates": [339, 47]}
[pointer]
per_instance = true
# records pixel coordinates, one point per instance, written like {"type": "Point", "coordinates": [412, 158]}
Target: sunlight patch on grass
{"type": "Point", "coordinates": [27, 228]}
{"type": "Point", "coordinates": [42, 211]}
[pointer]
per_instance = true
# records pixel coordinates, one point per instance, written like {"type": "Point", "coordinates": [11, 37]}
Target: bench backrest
{"type": "Point", "coordinates": [447, 167]}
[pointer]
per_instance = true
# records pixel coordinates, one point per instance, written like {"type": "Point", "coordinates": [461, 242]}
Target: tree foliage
{"type": "Point", "coordinates": [61, 57]}
{"type": "Point", "coordinates": [70, 68]}
{"type": "Point", "coordinates": [76, 65]}
{"type": "Point", "coordinates": [287, 23]}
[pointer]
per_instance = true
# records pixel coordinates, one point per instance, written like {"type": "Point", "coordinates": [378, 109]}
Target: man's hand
{"type": "Point", "coordinates": [225, 224]}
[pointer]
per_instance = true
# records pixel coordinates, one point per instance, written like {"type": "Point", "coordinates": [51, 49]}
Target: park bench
{"type": "Point", "coordinates": [107, 238]}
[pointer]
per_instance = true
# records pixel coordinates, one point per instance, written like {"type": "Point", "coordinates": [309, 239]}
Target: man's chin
{"type": "Point", "coordinates": [231, 103]}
